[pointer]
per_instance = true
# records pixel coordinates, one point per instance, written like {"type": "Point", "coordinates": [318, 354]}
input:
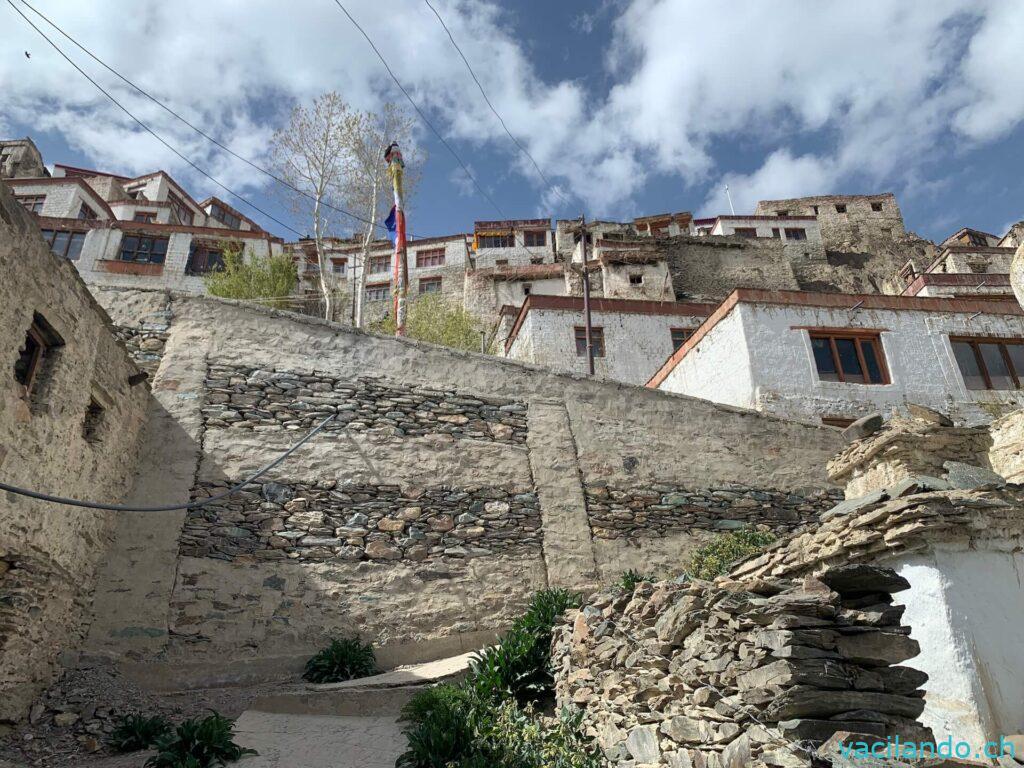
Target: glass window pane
{"type": "Point", "coordinates": [965, 359]}
{"type": "Point", "coordinates": [159, 246]}
{"type": "Point", "coordinates": [128, 246]}
{"type": "Point", "coordinates": [75, 247]}
{"type": "Point", "coordinates": [60, 243]}
{"type": "Point", "coordinates": [867, 348]}
{"type": "Point", "coordinates": [823, 360]}
{"type": "Point", "coordinates": [1016, 352]}
{"type": "Point", "coordinates": [848, 360]}
{"type": "Point", "coordinates": [998, 373]}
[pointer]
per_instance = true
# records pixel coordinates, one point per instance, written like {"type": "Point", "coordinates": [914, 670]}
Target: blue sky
{"type": "Point", "coordinates": [630, 106]}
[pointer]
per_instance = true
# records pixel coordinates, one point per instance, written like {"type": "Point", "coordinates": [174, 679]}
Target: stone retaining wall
{"type": "Point", "coordinates": [361, 522]}
{"type": "Point", "coordinates": [144, 345]}
{"type": "Point", "coordinates": [249, 398]}
{"type": "Point", "coordinates": [653, 511]}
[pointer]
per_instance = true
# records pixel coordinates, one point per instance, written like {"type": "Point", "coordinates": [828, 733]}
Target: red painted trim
{"type": "Point", "coordinates": [512, 224]}
{"type": "Point", "coordinates": [229, 209]}
{"type": "Point", "coordinates": [88, 171]}
{"type": "Point", "coordinates": [831, 301]}
{"type": "Point", "coordinates": [157, 228]}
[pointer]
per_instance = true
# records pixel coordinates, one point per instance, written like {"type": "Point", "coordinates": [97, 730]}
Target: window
{"type": "Point", "coordinates": [501, 262]}
{"type": "Point", "coordinates": [535, 238]}
{"type": "Point", "coordinates": [796, 233]}
{"type": "Point", "coordinates": [680, 335]}
{"type": "Point", "coordinates": [148, 250]}
{"type": "Point", "coordinates": [775, 232]}
{"type": "Point", "coordinates": [527, 288]}
{"type": "Point", "coordinates": [378, 292]}
{"type": "Point", "coordinates": [225, 217]}
{"type": "Point", "coordinates": [495, 241]}
{"type": "Point", "coordinates": [745, 232]}
{"type": "Point", "coordinates": [853, 358]}
{"type": "Point", "coordinates": [40, 340]}
{"type": "Point", "coordinates": [33, 203]}
{"type": "Point", "coordinates": [180, 213]}
{"type": "Point", "coordinates": [63, 243]}
{"type": "Point", "coordinates": [146, 217]}
{"type": "Point", "coordinates": [431, 258]}
{"type": "Point", "coordinates": [840, 208]}
{"type": "Point", "coordinates": [782, 213]}
{"type": "Point", "coordinates": [430, 285]}
{"type": "Point", "coordinates": [85, 213]}
{"type": "Point", "coordinates": [338, 266]}
{"type": "Point", "coordinates": [876, 207]}
{"type": "Point", "coordinates": [203, 259]}
{"type": "Point", "coordinates": [989, 363]}
{"type": "Point", "coordinates": [637, 279]}
{"type": "Point", "coordinates": [379, 264]}
{"type": "Point", "coordinates": [974, 238]}
{"type": "Point", "coordinates": [815, 209]}
{"type": "Point", "coordinates": [537, 260]}
{"type": "Point", "coordinates": [92, 422]}
{"type": "Point", "coordinates": [596, 340]}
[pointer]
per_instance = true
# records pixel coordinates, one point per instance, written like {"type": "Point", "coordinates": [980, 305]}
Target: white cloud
{"type": "Point", "coordinates": [883, 92]}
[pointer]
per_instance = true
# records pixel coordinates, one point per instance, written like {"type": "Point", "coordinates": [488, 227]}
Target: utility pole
{"type": "Point", "coordinates": [396, 169]}
{"type": "Point", "coordinates": [588, 328]}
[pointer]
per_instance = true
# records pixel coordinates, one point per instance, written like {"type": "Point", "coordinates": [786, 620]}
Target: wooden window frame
{"type": "Point", "coordinates": [533, 233]}
{"type": "Point", "coordinates": [225, 217]}
{"type": "Point", "coordinates": [144, 217]}
{"type": "Point", "coordinates": [496, 241]}
{"type": "Point", "coordinates": [136, 250]}
{"type": "Point", "coordinates": [840, 207]}
{"type": "Point", "coordinates": [31, 203]}
{"type": "Point", "coordinates": [50, 236]}
{"type": "Point", "coordinates": [374, 262]}
{"type": "Point", "coordinates": [45, 338]}
{"type": "Point", "coordinates": [748, 232]}
{"type": "Point", "coordinates": [686, 334]}
{"type": "Point", "coordinates": [596, 340]}
{"type": "Point", "coordinates": [430, 258]}
{"type": "Point", "coordinates": [858, 337]}
{"type": "Point", "coordinates": [1002, 343]}
{"type": "Point", "coordinates": [788, 231]}
{"type": "Point", "coordinates": [428, 283]}
{"type": "Point", "coordinates": [86, 213]}
{"type": "Point", "coordinates": [636, 278]}
{"type": "Point", "coordinates": [201, 252]}
{"type": "Point", "coordinates": [178, 207]}
{"type": "Point", "coordinates": [374, 288]}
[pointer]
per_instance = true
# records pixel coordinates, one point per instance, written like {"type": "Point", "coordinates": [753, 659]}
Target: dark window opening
{"type": "Point", "coordinates": [146, 217]}
{"type": "Point", "coordinates": [142, 249]}
{"type": "Point", "coordinates": [378, 292]}
{"type": "Point", "coordinates": [679, 336]}
{"type": "Point", "coordinates": [180, 213]}
{"type": "Point", "coordinates": [92, 422]}
{"type": "Point", "coordinates": [745, 232]}
{"type": "Point", "coordinates": [636, 279]}
{"type": "Point", "coordinates": [782, 213]}
{"type": "Point", "coordinates": [596, 340]}
{"type": "Point", "coordinates": [537, 260]}
{"type": "Point", "coordinates": [430, 285]}
{"type": "Point", "coordinates": [64, 243]}
{"type": "Point", "coordinates": [989, 363]}
{"type": "Point", "coordinates": [797, 233]}
{"type": "Point", "coordinates": [775, 232]}
{"type": "Point", "coordinates": [815, 209]}
{"type": "Point", "coordinates": [849, 358]}
{"type": "Point", "coordinates": [501, 262]}
{"type": "Point", "coordinates": [840, 208]}
{"type": "Point", "coordinates": [496, 241]}
{"type": "Point", "coordinates": [85, 213]}
{"type": "Point", "coordinates": [203, 259]}
{"type": "Point", "coordinates": [876, 207]}
{"type": "Point", "coordinates": [33, 203]}
{"type": "Point", "coordinates": [379, 264]}
{"type": "Point", "coordinates": [535, 238]}
{"type": "Point", "coordinates": [225, 217]}
{"type": "Point", "coordinates": [40, 341]}
{"type": "Point", "coordinates": [526, 289]}
{"type": "Point", "coordinates": [431, 258]}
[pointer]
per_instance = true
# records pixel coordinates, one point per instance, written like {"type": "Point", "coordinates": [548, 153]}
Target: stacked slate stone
{"type": "Point", "coordinates": [352, 522]}
{"type": "Point", "coordinates": [239, 397]}
{"type": "Point", "coordinates": [731, 675]}
{"type": "Point", "coordinates": [651, 512]}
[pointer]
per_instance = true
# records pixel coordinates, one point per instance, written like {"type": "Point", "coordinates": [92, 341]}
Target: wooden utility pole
{"type": "Point", "coordinates": [588, 328]}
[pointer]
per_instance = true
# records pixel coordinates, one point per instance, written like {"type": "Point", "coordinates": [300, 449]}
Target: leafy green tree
{"type": "Point", "coordinates": [437, 320]}
{"type": "Point", "coordinates": [268, 279]}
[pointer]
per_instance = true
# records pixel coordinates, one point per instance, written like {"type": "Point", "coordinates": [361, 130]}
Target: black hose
{"type": "Point", "coordinates": [172, 507]}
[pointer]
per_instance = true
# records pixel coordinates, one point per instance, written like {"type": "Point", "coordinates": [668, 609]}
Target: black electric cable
{"type": "Point", "coordinates": [171, 507]}
{"type": "Point", "coordinates": [501, 120]}
{"type": "Point", "coordinates": [198, 130]}
{"type": "Point", "coordinates": [149, 130]}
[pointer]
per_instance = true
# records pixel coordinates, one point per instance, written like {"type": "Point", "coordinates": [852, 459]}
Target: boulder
{"type": "Point", "coordinates": [863, 427]}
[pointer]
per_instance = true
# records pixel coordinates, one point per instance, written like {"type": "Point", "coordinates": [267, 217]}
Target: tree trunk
{"type": "Point", "coordinates": [361, 287]}
{"type": "Point", "coordinates": [321, 258]}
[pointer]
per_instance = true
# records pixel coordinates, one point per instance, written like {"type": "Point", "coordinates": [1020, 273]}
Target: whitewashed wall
{"type": "Point", "coordinates": [636, 345]}
{"type": "Point", "coordinates": [784, 380]}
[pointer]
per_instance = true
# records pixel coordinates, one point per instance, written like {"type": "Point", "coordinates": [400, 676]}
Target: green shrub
{"type": "Point", "coordinates": [268, 278]}
{"type": "Point", "coordinates": [437, 320]}
{"type": "Point", "coordinates": [629, 579]}
{"type": "Point", "coordinates": [344, 659]}
{"type": "Point", "coordinates": [517, 737]}
{"type": "Point", "coordinates": [714, 558]}
{"type": "Point", "coordinates": [441, 727]}
{"type": "Point", "coordinates": [136, 732]}
{"type": "Point", "coordinates": [198, 743]}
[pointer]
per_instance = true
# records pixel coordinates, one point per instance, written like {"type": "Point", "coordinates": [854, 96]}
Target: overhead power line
{"type": "Point", "coordinates": [195, 128]}
{"type": "Point", "coordinates": [501, 120]}
{"type": "Point", "coordinates": [149, 130]}
{"type": "Point", "coordinates": [420, 112]}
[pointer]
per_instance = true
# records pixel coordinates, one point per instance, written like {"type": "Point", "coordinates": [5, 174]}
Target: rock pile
{"type": "Point", "coordinates": [349, 522]}
{"type": "Point", "coordinates": [655, 510]}
{"type": "Point", "coordinates": [702, 675]}
{"type": "Point", "coordinates": [248, 398]}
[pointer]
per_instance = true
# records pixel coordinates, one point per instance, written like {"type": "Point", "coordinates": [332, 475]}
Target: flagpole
{"type": "Point", "coordinates": [396, 169]}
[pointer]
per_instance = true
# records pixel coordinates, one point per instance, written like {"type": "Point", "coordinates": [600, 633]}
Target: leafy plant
{"type": "Point", "coordinates": [198, 743]}
{"type": "Point", "coordinates": [345, 658]}
{"type": "Point", "coordinates": [272, 278]}
{"type": "Point", "coordinates": [436, 320]}
{"type": "Point", "coordinates": [714, 558]}
{"type": "Point", "coordinates": [136, 732]}
{"type": "Point", "coordinates": [629, 579]}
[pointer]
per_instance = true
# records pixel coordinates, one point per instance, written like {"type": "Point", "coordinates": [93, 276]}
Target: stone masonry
{"type": "Point", "coordinates": [361, 522]}
{"type": "Point", "coordinates": [250, 398]}
{"type": "Point", "coordinates": [685, 674]}
{"type": "Point", "coordinates": [655, 510]}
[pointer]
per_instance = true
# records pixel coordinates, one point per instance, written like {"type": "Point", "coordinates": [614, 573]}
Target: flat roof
{"type": "Point", "coordinates": [606, 306]}
{"type": "Point", "coordinates": [966, 279]}
{"type": "Point", "coordinates": [831, 301]}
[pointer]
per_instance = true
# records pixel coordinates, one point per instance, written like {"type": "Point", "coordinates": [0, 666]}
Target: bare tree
{"type": "Point", "coordinates": [312, 154]}
{"type": "Point", "coordinates": [368, 187]}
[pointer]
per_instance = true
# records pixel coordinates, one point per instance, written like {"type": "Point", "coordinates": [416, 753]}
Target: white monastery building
{"type": "Point", "coordinates": [831, 358]}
